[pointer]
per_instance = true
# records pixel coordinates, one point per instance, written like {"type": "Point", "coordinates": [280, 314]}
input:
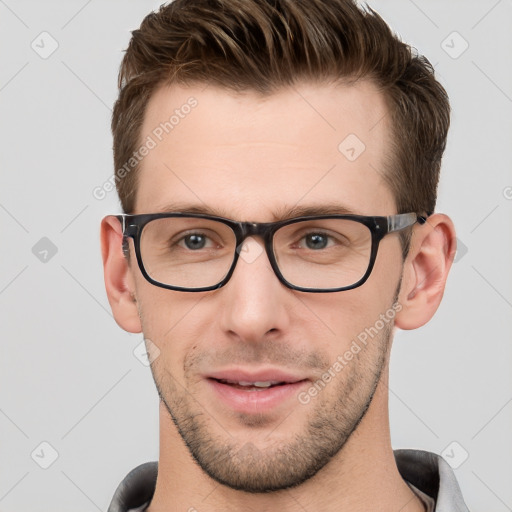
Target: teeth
{"type": "Point", "coordinates": [258, 384]}
{"type": "Point", "coordinates": [266, 384]}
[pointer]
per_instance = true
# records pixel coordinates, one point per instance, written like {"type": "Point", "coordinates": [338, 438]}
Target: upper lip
{"type": "Point", "coordinates": [263, 375]}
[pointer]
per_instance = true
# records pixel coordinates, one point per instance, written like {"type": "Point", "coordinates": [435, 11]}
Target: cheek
{"type": "Point", "coordinates": [345, 315]}
{"type": "Point", "coordinates": [170, 320]}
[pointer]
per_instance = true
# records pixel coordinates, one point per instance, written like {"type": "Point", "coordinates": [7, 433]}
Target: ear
{"type": "Point", "coordinates": [118, 278]}
{"type": "Point", "coordinates": [433, 247]}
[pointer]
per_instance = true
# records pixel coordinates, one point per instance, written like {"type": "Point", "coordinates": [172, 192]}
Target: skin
{"type": "Point", "coordinates": [249, 158]}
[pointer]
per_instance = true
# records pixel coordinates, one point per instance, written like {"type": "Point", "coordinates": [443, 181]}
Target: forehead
{"type": "Point", "coordinates": [247, 156]}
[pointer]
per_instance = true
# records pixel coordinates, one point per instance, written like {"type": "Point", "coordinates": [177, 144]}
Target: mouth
{"type": "Point", "coordinates": [255, 392]}
{"type": "Point", "coordinates": [253, 386]}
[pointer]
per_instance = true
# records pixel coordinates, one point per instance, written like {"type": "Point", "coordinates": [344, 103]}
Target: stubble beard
{"type": "Point", "coordinates": [329, 424]}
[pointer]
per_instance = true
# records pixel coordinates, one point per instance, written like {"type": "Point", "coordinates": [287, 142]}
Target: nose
{"type": "Point", "coordinates": [254, 302]}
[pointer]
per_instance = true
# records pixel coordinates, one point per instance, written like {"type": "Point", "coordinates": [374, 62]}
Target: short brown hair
{"type": "Point", "coordinates": [262, 45]}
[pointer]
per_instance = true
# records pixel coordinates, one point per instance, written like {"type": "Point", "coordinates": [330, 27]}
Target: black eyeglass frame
{"type": "Point", "coordinates": [379, 227]}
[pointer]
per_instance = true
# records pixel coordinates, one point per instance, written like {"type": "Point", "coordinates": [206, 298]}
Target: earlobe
{"type": "Point", "coordinates": [426, 269]}
{"type": "Point", "coordinates": [118, 280]}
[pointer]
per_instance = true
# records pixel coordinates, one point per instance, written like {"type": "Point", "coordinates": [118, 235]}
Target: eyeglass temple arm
{"type": "Point", "coordinates": [404, 220]}
{"type": "Point", "coordinates": [122, 219]}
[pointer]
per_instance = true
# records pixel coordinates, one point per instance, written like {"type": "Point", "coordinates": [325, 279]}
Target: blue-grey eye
{"type": "Point", "coordinates": [195, 241]}
{"type": "Point", "coordinates": [316, 241]}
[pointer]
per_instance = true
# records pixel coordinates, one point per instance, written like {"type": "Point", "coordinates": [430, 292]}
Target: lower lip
{"type": "Point", "coordinates": [255, 401]}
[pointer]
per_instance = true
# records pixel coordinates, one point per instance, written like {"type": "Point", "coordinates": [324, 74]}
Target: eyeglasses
{"type": "Point", "coordinates": [196, 252]}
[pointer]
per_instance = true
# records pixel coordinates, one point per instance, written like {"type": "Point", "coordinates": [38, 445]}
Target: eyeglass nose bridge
{"type": "Point", "coordinates": [263, 230]}
{"type": "Point", "coordinates": [246, 230]}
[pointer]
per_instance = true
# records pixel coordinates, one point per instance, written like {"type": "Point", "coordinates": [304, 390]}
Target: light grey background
{"type": "Point", "coordinates": [68, 375]}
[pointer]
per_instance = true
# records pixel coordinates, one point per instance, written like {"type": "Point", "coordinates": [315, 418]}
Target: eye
{"type": "Point", "coordinates": [316, 240]}
{"type": "Point", "coordinates": [195, 241]}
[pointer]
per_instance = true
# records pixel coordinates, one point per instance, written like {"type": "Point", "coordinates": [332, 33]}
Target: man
{"type": "Point", "coordinates": [277, 163]}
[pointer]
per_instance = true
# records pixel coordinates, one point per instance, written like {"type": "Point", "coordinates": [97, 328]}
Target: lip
{"type": "Point", "coordinates": [251, 400]}
{"type": "Point", "coordinates": [263, 375]}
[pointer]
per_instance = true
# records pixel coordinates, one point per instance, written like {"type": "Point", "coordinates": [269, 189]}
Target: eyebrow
{"type": "Point", "coordinates": [282, 213]}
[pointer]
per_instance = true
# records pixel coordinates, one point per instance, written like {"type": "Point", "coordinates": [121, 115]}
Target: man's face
{"type": "Point", "coordinates": [250, 158]}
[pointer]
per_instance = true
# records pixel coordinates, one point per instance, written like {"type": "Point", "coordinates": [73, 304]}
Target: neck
{"type": "Point", "coordinates": [361, 475]}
